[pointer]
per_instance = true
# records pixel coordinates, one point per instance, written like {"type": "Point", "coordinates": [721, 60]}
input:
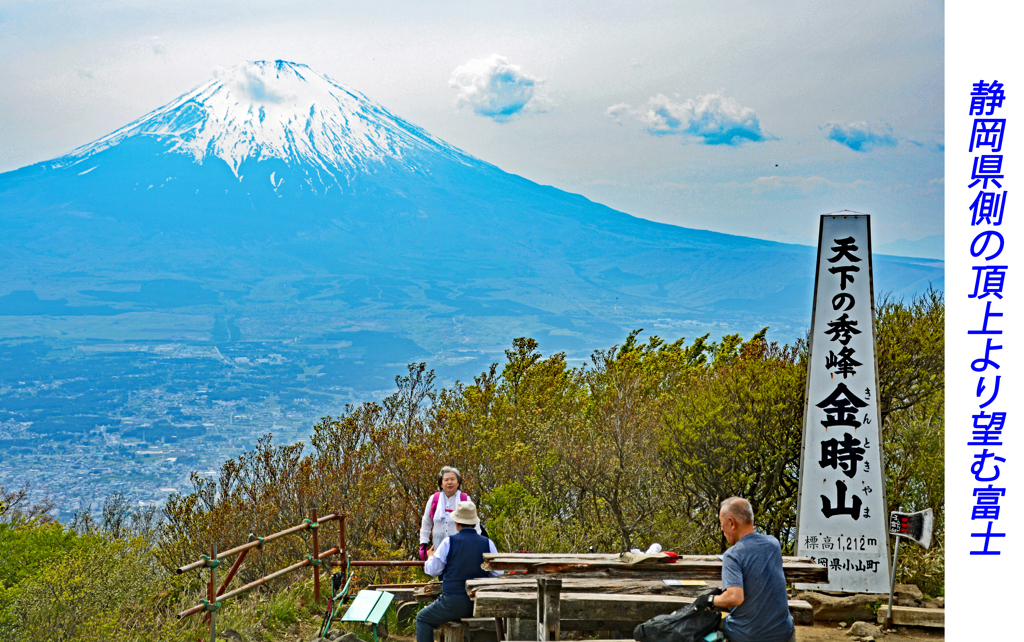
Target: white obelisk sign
{"type": "Point", "coordinates": [841, 514]}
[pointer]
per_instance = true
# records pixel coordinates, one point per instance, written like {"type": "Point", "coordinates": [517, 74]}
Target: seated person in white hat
{"type": "Point", "coordinates": [459, 558]}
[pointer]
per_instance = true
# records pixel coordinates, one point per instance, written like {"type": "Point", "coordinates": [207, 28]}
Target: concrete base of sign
{"type": "Point", "coordinates": [841, 609]}
{"type": "Point", "coordinates": [910, 616]}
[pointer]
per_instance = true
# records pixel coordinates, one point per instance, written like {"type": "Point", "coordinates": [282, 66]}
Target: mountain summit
{"type": "Point", "coordinates": [274, 204]}
{"type": "Point", "coordinates": [281, 110]}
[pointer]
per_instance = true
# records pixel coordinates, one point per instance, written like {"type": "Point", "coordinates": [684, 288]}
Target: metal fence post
{"type": "Point", "coordinates": [212, 592]}
{"type": "Point", "coordinates": [316, 559]}
{"type": "Point", "coordinates": [341, 543]}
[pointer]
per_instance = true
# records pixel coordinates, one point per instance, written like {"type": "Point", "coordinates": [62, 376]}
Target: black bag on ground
{"type": "Point", "coordinates": [688, 624]}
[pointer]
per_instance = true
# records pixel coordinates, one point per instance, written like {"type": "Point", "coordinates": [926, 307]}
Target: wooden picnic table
{"type": "Point", "coordinates": [608, 565]}
{"type": "Point", "coordinates": [528, 584]}
{"type": "Point", "coordinates": [601, 591]}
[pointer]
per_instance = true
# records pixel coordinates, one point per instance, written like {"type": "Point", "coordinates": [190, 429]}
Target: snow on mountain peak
{"type": "Point", "coordinates": [280, 110]}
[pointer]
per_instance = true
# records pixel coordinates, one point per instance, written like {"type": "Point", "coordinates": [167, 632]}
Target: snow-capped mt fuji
{"type": "Point", "coordinates": [281, 110]}
{"type": "Point", "coordinates": [280, 201]}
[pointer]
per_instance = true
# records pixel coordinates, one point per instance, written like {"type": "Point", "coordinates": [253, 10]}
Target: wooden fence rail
{"type": "Point", "coordinates": [215, 596]}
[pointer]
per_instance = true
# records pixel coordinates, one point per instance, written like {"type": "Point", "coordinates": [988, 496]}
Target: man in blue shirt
{"type": "Point", "coordinates": [755, 586]}
{"type": "Point", "coordinates": [459, 558]}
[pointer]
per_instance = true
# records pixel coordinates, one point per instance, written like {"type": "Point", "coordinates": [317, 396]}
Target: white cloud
{"type": "Point", "coordinates": [803, 184]}
{"type": "Point", "coordinates": [931, 144]}
{"type": "Point", "coordinates": [617, 111]}
{"type": "Point", "coordinates": [860, 136]}
{"type": "Point", "coordinates": [712, 119]}
{"type": "Point", "coordinates": [248, 80]}
{"type": "Point", "coordinates": [494, 88]}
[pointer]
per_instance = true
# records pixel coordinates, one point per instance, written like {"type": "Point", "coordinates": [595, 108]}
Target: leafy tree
{"type": "Point", "coordinates": [911, 351]}
{"type": "Point", "coordinates": [15, 507]}
{"type": "Point", "coordinates": [736, 430]}
{"type": "Point", "coordinates": [641, 444]}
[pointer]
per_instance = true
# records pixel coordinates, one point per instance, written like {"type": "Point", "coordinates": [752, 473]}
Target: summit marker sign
{"type": "Point", "coordinates": [841, 515]}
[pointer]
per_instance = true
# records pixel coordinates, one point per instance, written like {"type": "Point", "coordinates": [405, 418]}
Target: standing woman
{"type": "Point", "coordinates": [437, 521]}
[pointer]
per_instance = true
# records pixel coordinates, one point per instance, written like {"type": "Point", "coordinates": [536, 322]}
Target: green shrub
{"type": "Point", "coordinates": [101, 590]}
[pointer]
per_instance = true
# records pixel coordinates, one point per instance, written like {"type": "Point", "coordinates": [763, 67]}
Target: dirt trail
{"type": "Point", "coordinates": [819, 632]}
{"type": "Point", "coordinates": [822, 632]}
{"type": "Point", "coordinates": [830, 632]}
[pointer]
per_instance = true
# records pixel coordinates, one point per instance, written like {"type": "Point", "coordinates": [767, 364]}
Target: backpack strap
{"type": "Point", "coordinates": [463, 497]}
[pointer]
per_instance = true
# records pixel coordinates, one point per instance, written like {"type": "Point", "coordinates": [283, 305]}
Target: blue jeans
{"type": "Point", "coordinates": [444, 609]}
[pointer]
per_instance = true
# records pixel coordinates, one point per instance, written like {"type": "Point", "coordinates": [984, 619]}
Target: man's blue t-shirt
{"type": "Point", "coordinates": [755, 564]}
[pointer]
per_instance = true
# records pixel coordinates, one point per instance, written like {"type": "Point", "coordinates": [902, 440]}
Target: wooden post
{"type": "Point", "coordinates": [341, 542]}
{"type": "Point", "coordinates": [549, 593]}
{"type": "Point", "coordinates": [211, 591]}
{"type": "Point", "coordinates": [521, 627]}
{"type": "Point", "coordinates": [499, 629]}
{"type": "Point", "coordinates": [450, 632]}
{"type": "Point", "coordinates": [316, 559]}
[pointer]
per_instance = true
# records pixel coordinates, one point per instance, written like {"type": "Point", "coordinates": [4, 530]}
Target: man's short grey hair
{"type": "Point", "coordinates": [739, 509]}
{"type": "Point", "coordinates": [449, 469]}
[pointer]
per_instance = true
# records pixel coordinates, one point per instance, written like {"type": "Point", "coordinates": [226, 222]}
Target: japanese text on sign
{"type": "Point", "coordinates": [841, 517]}
{"type": "Point", "coordinates": [990, 268]}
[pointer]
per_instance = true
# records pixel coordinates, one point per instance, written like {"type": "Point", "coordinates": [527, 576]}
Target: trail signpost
{"type": "Point", "coordinates": [841, 520]}
{"type": "Point", "coordinates": [913, 526]}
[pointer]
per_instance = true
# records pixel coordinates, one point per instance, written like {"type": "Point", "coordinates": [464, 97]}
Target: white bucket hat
{"type": "Point", "coordinates": [465, 514]}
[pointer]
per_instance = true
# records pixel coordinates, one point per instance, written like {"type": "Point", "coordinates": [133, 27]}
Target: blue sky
{"type": "Point", "coordinates": [750, 118]}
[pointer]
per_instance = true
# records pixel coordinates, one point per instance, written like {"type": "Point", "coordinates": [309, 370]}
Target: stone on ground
{"type": "Point", "coordinates": [908, 595]}
{"type": "Point", "coordinates": [865, 630]}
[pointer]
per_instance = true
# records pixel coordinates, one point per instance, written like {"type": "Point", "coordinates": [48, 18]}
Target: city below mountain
{"type": "Point", "coordinates": [272, 245]}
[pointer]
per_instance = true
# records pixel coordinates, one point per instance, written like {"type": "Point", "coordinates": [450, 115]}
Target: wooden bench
{"type": "Point", "coordinates": [450, 632]}
{"type": "Point", "coordinates": [483, 629]}
{"type": "Point", "coordinates": [556, 611]}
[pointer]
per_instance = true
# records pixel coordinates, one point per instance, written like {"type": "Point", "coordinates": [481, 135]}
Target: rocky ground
{"type": "Point", "coordinates": [838, 618]}
{"type": "Point", "coordinates": [828, 632]}
{"type": "Point", "coordinates": [833, 632]}
{"type": "Point", "coordinates": [819, 632]}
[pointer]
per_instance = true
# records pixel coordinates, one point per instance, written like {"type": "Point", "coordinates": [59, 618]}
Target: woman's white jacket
{"type": "Point", "coordinates": [437, 525]}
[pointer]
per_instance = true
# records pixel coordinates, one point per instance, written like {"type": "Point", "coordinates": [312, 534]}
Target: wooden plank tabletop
{"type": "Point", "coordinates": [605, 557]}
{"type": "Point", "coordinates": [688, 567]}
{"type": "Point", "coordinates": [519, 583]}
{"type": "Point", "coordinates": [590, 585]}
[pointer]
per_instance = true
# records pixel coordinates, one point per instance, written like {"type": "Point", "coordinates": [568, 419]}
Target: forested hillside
{"type": "Point", "coordinates": [638, 445]}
